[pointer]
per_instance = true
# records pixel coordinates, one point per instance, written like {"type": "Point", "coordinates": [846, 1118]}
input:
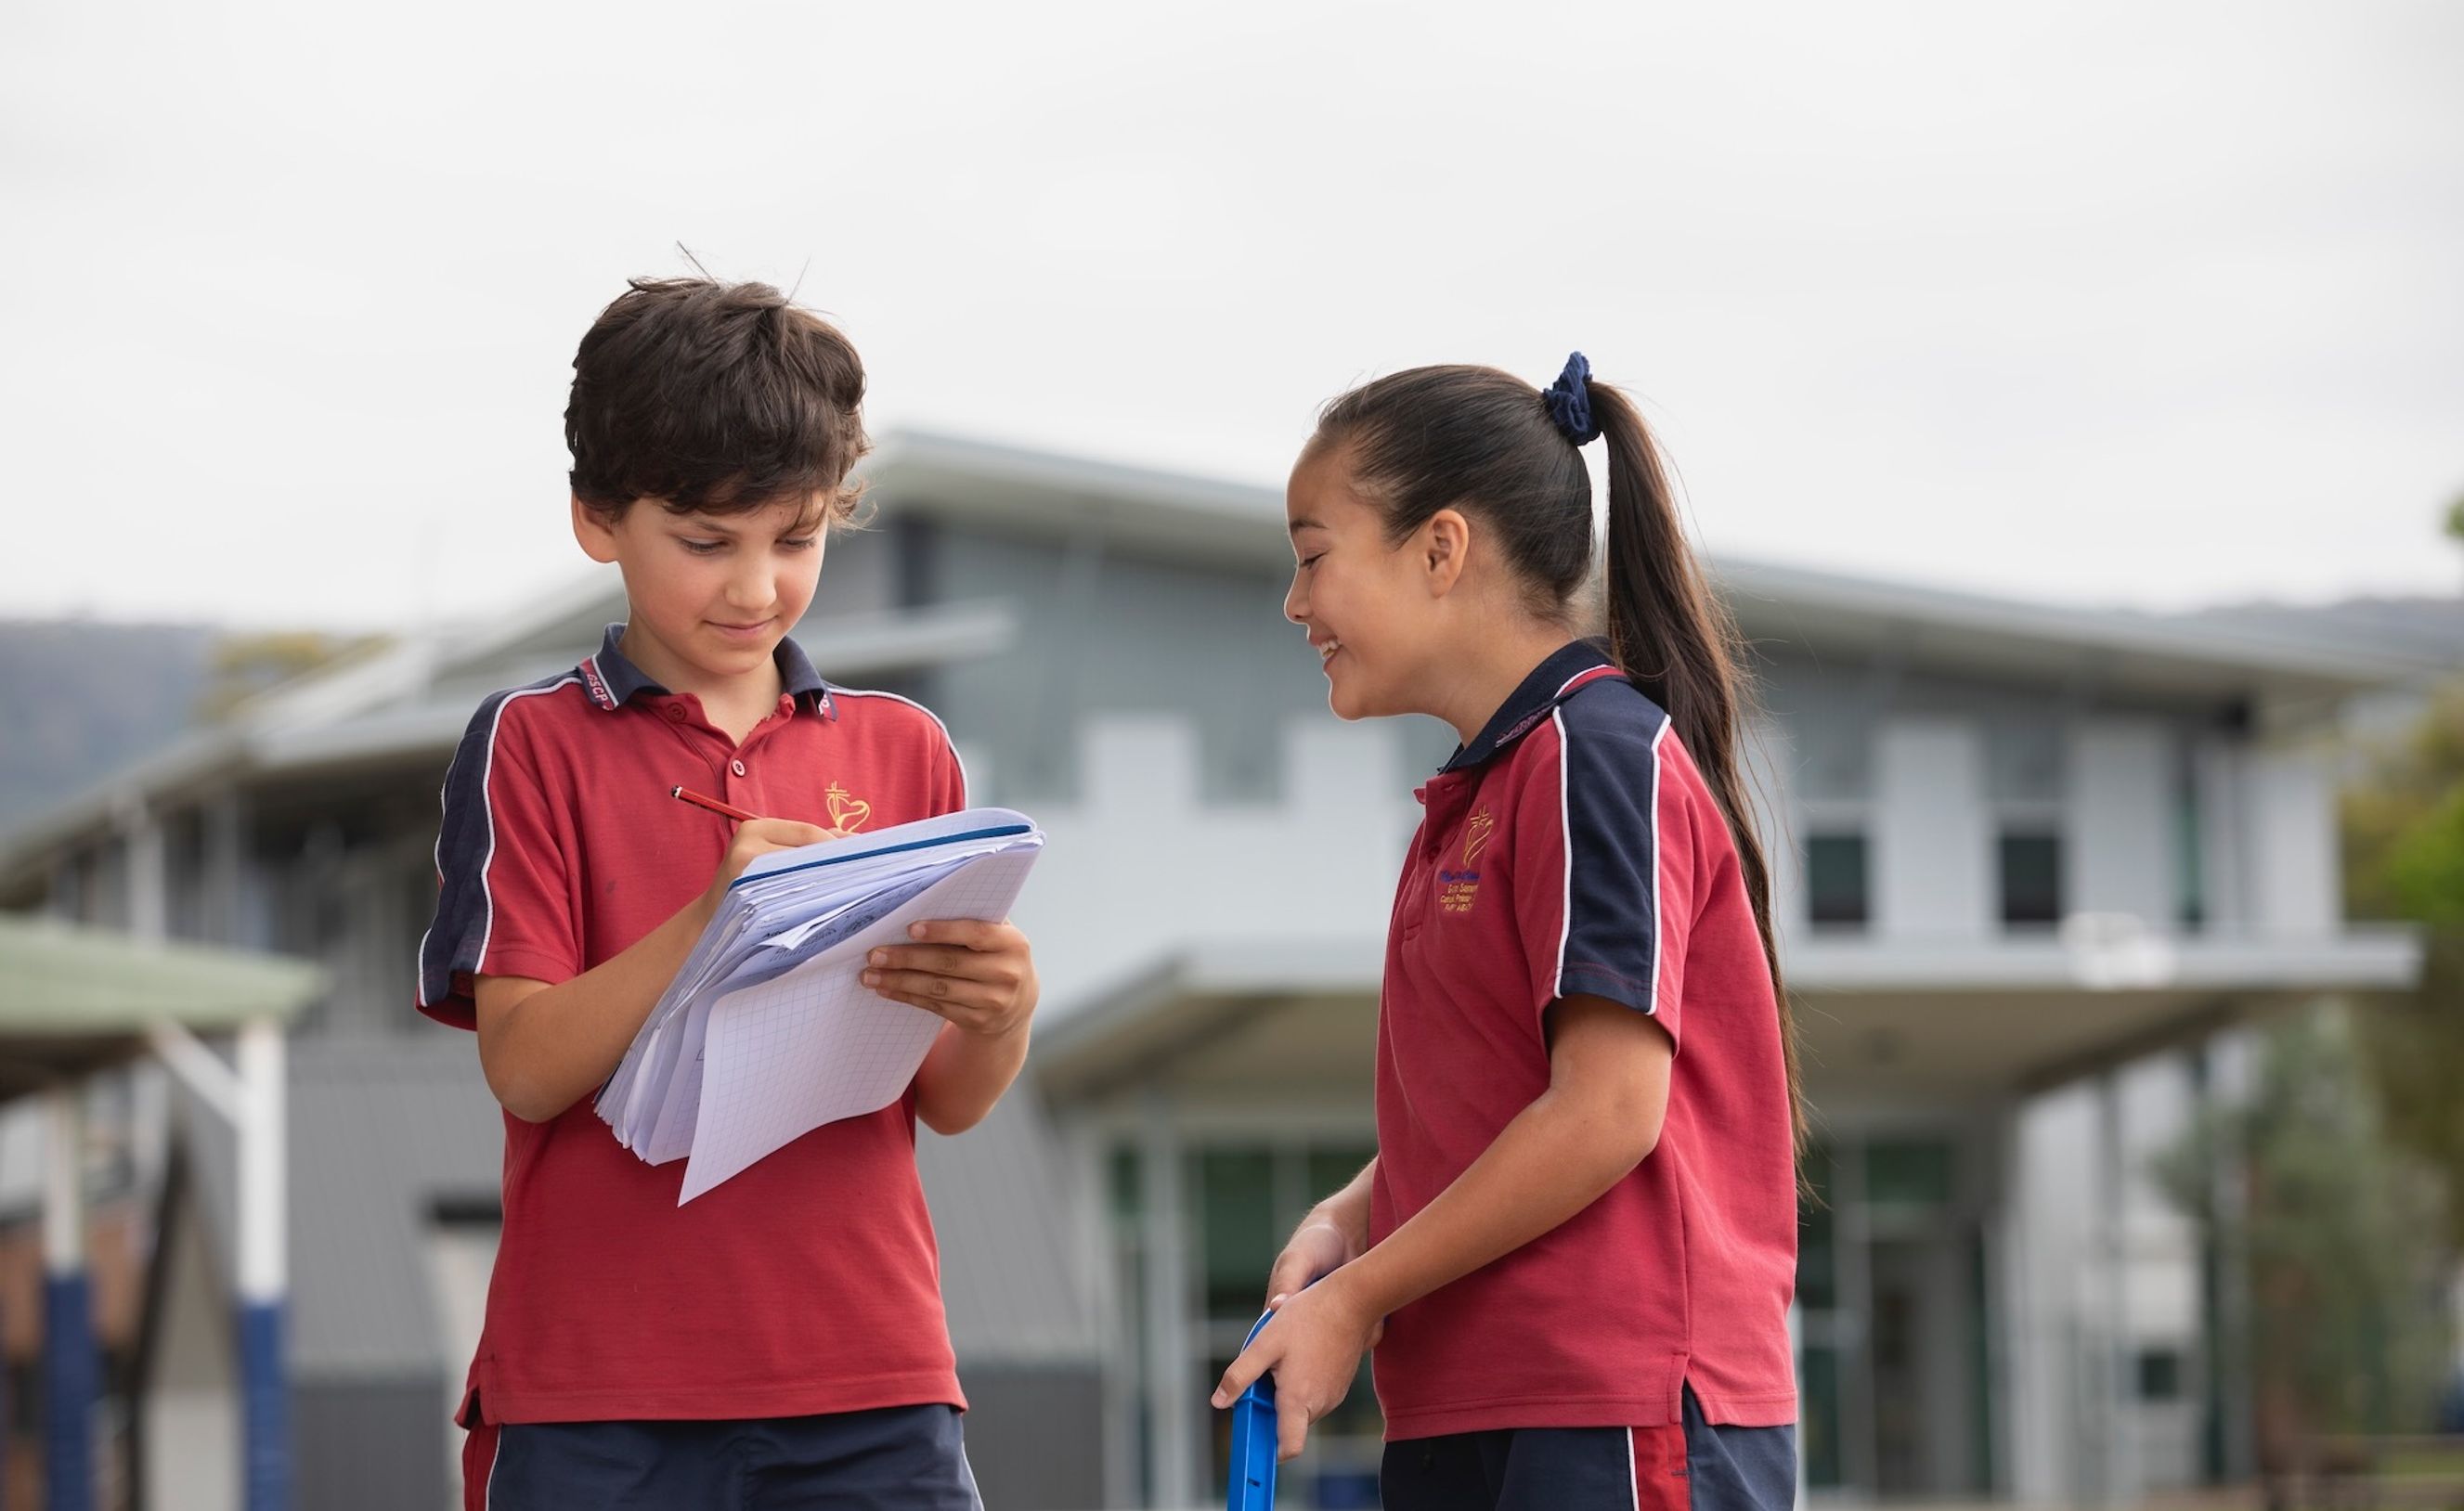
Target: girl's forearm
{"type": "Point", "coordinates": [1554, 1159]}
{"type": "Point", "coordinates": [1347, 1211]}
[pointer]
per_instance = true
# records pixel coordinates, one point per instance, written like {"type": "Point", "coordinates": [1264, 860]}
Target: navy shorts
{"type": "Point", "coordinates": [898, 1458]}
{"type": "Point", "coordinates": [1688, 1466]}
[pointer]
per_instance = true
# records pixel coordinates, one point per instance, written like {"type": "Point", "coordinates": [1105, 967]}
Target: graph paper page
{"type": "Point", "coordinates": [814, 1046]}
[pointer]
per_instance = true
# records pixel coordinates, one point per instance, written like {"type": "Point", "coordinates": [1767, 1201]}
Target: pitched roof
{"type": "Point", "coordinates": [73, 998]}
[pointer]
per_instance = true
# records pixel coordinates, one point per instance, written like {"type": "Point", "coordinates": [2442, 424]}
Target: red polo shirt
{"type": "Point", "coordinates": [1573, 848]}
{"type": "Point", "coordinates": [809, 1282]}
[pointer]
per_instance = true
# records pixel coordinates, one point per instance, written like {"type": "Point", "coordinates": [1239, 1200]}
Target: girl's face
{"type": "Point", "coordinates": [1366, 604]}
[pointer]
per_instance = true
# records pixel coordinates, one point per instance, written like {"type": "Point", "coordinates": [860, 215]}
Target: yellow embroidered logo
{"type": "Point", "coordinates": [1458, 891]}
{"type": "Point", "coordinates": [845, 812]}
{"type": "Point", "coordinates": [1476, 835]}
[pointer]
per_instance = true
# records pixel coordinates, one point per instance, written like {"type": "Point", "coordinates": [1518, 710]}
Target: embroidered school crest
{"type": "Point", "coordinates": [845, 812]}
{"type": "Point", "coordinates": [1476, 833]}
{"type": "Point", "coordinates": [1458, 891]}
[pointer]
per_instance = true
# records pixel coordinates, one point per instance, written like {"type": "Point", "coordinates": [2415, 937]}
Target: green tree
{"type": "Point", "coordinates": [2404, 859]}
{"type": "Point", "coordinates": [244, 665]}
{"type": "Point", "coordinates": [2337, 1233]}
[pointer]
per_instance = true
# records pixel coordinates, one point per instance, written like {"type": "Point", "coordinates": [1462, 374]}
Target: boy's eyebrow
{"type": "Point", "coordinates": [1301, 525]}
{"type": "Point", "coordinates": [708, 522]}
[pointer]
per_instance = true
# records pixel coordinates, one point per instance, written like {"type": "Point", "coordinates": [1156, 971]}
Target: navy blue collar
{"type": "Point", "coordinates": [1532, 701]}
{"type": "Point", "coordinates": [613, 680]}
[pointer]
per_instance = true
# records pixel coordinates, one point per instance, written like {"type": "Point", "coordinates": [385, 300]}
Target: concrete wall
{"type": "Point", "coordinates": [1931, 845]}
{"type": "Point", "coordinates": [2288, 813]}
{"type": "Point", "coordinates": [1035, 1435]}
{"type": "Point", "coordinates": [1102, 634]}
{"type": "Point", "coordinates": [188, 1419]}
{"type": "Point", "coordinates": [368, 1444]}
{"type": "Point", "coordinates": [2121, 820]}
{"type": "Point", "coordinates": [1140, 863]}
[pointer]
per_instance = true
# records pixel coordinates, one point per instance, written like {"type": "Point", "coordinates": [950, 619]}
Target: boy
{"type": "Point", "coordinates": [780, 1342]}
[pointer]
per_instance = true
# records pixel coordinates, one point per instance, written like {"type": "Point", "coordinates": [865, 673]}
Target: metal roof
{"type": "Point", "coordinates": [377, 703]}
{"type": "Point", "coordinates": [73, 998]}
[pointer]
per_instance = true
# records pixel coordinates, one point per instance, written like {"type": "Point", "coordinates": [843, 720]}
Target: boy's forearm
{"type": "Point", "coordinates": [1549, 1163]}
{"type": "Point", "coordinates": [545, 1051]}
{"type": "Point", "coordinates": [964, 1075]}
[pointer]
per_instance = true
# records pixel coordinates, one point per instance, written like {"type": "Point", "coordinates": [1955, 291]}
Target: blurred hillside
{"type": "Point", "coordinates": [86, 698]}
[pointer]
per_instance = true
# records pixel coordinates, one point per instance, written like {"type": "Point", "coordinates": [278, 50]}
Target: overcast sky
{"type": "Point", "coordinates": [2155, 304]}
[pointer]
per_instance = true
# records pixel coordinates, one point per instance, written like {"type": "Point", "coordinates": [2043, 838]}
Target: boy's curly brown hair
{"type": "Point", "coordinates": [711, 397]}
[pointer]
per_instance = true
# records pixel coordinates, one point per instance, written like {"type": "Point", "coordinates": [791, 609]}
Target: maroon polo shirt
{"type": "Point", "coordinates": [809, 1282]}
{"type": "Point", "coordinates": [1573, 848]}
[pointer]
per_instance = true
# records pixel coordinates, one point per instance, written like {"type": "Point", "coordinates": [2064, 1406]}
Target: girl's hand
{"type": "Point", "coordinates": [1313, 1347]}
{"type": "Point", "coordinates": [1317, 1249]}
{"type": "Point", "coordinates": [978, 976]}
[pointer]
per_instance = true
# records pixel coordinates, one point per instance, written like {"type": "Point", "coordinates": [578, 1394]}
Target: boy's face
{"type": "Point", "coordinates": [711, 594]}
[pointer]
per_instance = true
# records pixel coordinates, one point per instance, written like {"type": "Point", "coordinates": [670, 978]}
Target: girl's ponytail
{"type": "Point", "coordinates": [1676, 642]}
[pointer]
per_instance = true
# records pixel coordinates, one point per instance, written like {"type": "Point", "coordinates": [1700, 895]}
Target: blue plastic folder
{"type": "Point", "coordinates": [767, 1031]}
{"type": "Point", "coordinates": [1252, 1486]}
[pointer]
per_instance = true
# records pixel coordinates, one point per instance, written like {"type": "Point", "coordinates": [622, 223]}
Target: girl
{"type": "Point", "coordinates": [1575, 1248]}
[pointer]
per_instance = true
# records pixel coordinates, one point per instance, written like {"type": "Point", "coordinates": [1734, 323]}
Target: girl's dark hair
{"type": "Point", "coordinates": [1485, 442]}
{"type": "Point", "coordinates": [716, 397]}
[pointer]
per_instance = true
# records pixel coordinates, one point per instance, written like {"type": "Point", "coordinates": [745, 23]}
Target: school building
{"type": "Point", "coordinates": [2040, 862]}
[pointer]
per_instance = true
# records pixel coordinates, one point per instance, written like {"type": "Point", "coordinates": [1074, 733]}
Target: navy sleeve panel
{"type": "Point", "coordinates": [500, 872]}
{"type": "Point", "coordinates": [1604, 876]}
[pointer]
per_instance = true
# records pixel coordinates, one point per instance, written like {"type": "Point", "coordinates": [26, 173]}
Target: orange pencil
{"type": "Point", "coordinates": [723, 809]}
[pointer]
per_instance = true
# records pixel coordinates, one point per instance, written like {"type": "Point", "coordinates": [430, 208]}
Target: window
{"type": "Point", "coordinates": [1818, 1287]}
{"type": "Point", "coordinates": [1240, 1231]}
{"type": "Point", "coordinates": [2160, 1374]}
{"type": "Point", "coordinates": [1819, 1415]}
{"type": "Point", "coordinates": [2191, 845]}
{"type": "Point", "coordinates": [1837, 882]}
{"type": "Point", "coordinates": [2031, 871]}
{"type": "Point", "coordinates": [1242, 1199]}
{"type": "Point", "coordinates": [1912, 1172]}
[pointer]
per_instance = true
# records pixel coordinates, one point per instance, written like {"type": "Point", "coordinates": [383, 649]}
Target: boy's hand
{"type": "Point", "coordinates": [978, 976]}
{"type": "Point", "coordinates": [756, 838]}
{"type": "Point", "coordinates": [1313, 1347]}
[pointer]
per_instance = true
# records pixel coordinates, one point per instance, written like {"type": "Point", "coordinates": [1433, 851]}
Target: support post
{"type": "Point", "coordinates": [265, 1393]}
{"type": "Point", "coordinates": [2118, 1360]}
{"type": "Point", "coordinates": [71, 1366]}
{"type": "Point", "coordinates": [1170, 1402]}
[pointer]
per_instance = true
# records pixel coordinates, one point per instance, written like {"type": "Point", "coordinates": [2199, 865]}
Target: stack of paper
{"type": "Point", "coordinates": [767, 1033]}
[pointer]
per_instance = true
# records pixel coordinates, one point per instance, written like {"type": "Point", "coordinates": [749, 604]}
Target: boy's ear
{"type": "Point", "coordinates": [594, 531]}
{"type": "Point", "coordinates": [1444, 544]}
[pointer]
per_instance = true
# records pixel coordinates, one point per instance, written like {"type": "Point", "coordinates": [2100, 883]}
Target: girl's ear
{"type": "Point", "coordinates": [1445, 545]}
{"type": "Point", "coordinates": [594, 532]}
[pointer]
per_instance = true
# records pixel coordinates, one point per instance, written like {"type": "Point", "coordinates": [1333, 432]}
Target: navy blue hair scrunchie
{"type": "Point", "coordinates": [1569, 402]}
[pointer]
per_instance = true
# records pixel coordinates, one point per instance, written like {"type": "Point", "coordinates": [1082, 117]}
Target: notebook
{"type": "Point", "coordinates": [766, 1033]}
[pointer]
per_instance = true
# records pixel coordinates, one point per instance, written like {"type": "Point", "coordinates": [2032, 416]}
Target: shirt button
{"type": "Point", "coordinates": [675, 712]}
{"type": "Point", "coordinates": [736, 766]}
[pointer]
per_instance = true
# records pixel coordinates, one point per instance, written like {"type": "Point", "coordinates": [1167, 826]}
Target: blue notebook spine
{"type": "Point", "coordinates": [1252, 1486]}
{"type": "Point", "coordinates": [1004, 831]}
